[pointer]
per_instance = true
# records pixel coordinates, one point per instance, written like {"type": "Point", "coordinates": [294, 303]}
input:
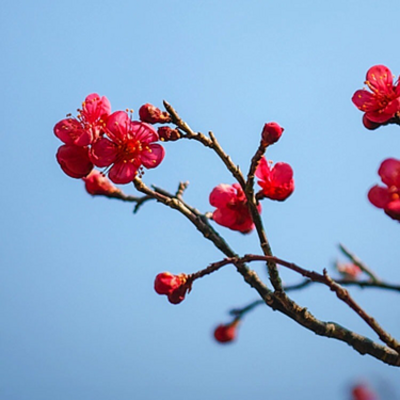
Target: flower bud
{"type": "Point", "coordinates": [362, 392]}
{"type": "Point", "coordinates": [173, 286]}
{"type": "Point", "coordinates": [348, 270]}
{"type": "Point", "coordinates": [168, 134]}
{"type": "Point", "coordinates": [152, 115]}
{"type": "Point", "coordinates": [226, 333]}
{"type": "Point", "coordinates": [97, 184]}
{"type": "Point", "coordinates": [271, 133]}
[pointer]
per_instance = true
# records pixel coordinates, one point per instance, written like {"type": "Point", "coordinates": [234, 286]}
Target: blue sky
{"type": "Point", "coordinates": [80, 319]}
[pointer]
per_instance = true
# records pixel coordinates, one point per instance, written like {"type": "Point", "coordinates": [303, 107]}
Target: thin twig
{"type": "Point", "coordinates": [353, 258]}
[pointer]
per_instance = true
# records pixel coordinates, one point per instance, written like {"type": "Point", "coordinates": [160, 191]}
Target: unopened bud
{"type": "Point", "coordinates": [97, 184]}
{"type": "Point", "coordinates": [271, 133]}
{"type": "Point", "coordinates": [226, 333]}
{"type": "Point", "coordinates": [168, 134]}
{"type": "Point", "coordinates": [173, 286]}
{"type": "Point", "coordinates": [152, 115]}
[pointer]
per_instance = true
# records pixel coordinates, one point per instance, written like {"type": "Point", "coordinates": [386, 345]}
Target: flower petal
{"type": "Point", "coordinates": [263, 170]}
{"type": "Point", "coordinates": [74, 160]}
{"type": "Point", "coordinates": [103, 152]}
{"type": "Point", "coordinates": [365, 101]}
{"type": "Point", "coordinates": [393, 210]}
{"type": "Point", "coordinates": [389, 171]}
{"type": "Point", "coordinates": [379, 196]}
{"type": "Point", "coordinates": [70, 131]}
{"type": "Point", "coordinates": [380, 79]}
{"type": "Point", "coordinates": [281, 174]}
{"type": "Point", "coordinates": [118, 125]}
{"type": "Point", "coordinates": [143, 132]}
{"type": "Point", "coordinates": [95, 108]}
{"type": "Point", "coordinates": [222, 195]}
{"type": "Point", "coordinates": [152, 156]}
{"type": "Point", "coordinates": [122, 172]}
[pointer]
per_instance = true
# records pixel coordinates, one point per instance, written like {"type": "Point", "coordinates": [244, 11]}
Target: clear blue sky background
{"type": "Point", "coordinates": [79, 317]}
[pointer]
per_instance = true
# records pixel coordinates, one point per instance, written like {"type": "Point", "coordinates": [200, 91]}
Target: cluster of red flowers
{"type": "Point", "coordinates": [97, 137]}
{"type": "Point", "coordinates": [276, 184]}
{"type": "Point", "coordinates": [382, 106]}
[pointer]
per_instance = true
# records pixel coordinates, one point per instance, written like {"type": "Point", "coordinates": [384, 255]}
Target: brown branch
{"type": "Point", "coordinates": [341, 293]}
{"type": "Point", "coordinates": [237, 174]}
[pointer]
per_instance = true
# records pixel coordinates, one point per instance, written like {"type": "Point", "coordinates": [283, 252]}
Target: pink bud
{"type": "Point", "coordinates": [271, 133]}
{"type": "Point", "coordinates": [226, 333]}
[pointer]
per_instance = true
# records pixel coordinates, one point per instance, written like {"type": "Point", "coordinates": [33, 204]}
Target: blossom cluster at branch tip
{"type": "Point", "coordinates": [113, 141]}
{"type": "Point", "coordinates": [174, 287]}
{"type": "Point", "coordinates": [271, 133]}
{"type": "Point", "coordinates": [232, 211]}
{"type": "Point", "coordinates": [226, 333]}
{"type": "Point", "coordinates": [97, 184]}
{"type": "Point", "coordinates": [388, 197]}
{"type": "Point", "coordinates": [153, 115]}
{"type": "Point", "coordinates": [382, 102]}
{"type": "Point", "coordinates": [349, 270]}
{"type": "Point", "coordinates": [276, 182]}
{"type": "Point", "coordinates": [363, 392]}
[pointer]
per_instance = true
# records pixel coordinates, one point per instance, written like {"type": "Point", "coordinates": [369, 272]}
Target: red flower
{"type": "Point", "coordinates": [362, 392]}
{"type": "Point", "coordinates": [174, 286]}
{"type": "Point", "coordinates": [232, 211]}
{"type": "Point", "coordinates": [271, 133]}
{"type": "Point", "coordinates": [97, 184]}
{"type": "Point", "coordinates": [88, 125]}
{"type": "Point", "coordinates": [129, 146]}
{"type": "Point", "coordinates": [226, 333]}
{"type": "Point", "coordinates": [277, 182]}
{"type": "Point", "coordinates": [388, 197]}
{"type": "Point", "coordinates": [74, 160]}
{"type": "Point", "coordinates": [348, 270]}
{"type": "Point", "coordinates": [152, 114]}
{"type": "Point", "coordinates": [384, 102]}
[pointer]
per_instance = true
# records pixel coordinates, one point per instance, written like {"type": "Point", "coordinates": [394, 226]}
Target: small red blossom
{"type": "Point", "coordinates": [174, 287]}
{"type": "Point", "coordinates": [271, 133]}
{"type": "Point", "coordinates": [168, 134]}
{"type": "Point", "coordinates": [383, 102]}
{"type": "Point", "coordinates": [277, 182]}
{"type": "Point", "coordinates": [349, 270]}
{"type": "Point", "coordinates": [232, 211]}
{"type": "Point", "coordinates": [362, 392]}
{"type": "Point", "coordinates": [226, 333]}
{"type": "Point", "coordinates": [98, 184]}
{"type": "Point", "coordinates": [153, 115]}
{"type": "Point", "coordinates": [74, 160]}
{"type": "Point", "coordinates": [88, 125]}
{"type": "Point", "coordinates": [129, 145]}
{"type": "Point", "coordinates": [388, 197]}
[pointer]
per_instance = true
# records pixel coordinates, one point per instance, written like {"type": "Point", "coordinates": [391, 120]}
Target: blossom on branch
{"type": "Point", "coordinates": [129, 145]}
{"type": "Point", "coordinates": [383, 102]}
{"type": "Point", "coordinates": [88, 125]}
{"type": "Point", "coordinates": [388, 197]}
{"type": "Point", "coordinates": [174, 287]}
{"type": "Point", "coordinates": [80, 132]}
{"type": "Point", "coordinates": [232, 211]}
{"type": "Point", "coordinates": [276, 182]}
